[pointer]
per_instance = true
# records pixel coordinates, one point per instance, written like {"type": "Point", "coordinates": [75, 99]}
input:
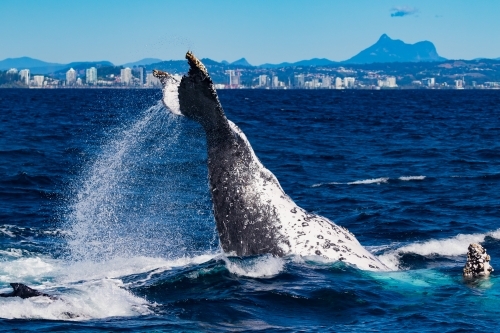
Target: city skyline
{"type": "Point", "coordinates": [259, 31]}
{"type": "Point", "coordinates": [334, 78]}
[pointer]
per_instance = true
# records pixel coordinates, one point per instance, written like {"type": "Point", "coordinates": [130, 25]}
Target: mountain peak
{"type": "Point", "coordinates": [384, 37]}
{"type": "Point", "coordinates": [387, 49]}
{"type": "Point", "coordinates": [241, 62]}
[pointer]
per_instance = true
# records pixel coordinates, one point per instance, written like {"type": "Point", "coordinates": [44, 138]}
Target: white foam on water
{"type": "Point", "coordinates": [265, 266]}
{"type": "Point", "coordinates": [454, 246]}
{"type": "Point", "coordinates": [83, 290]}
{"type": "Point", "coordinates": [6, 229]}
{"type": "Point", "coordinates": [32, 269]}
{"type": "Point", "coordinates": [408, 178]}
{"type": "Point", "coordinates": [88, 300]}
{"type": "Point", "coordinates": [369, 181]}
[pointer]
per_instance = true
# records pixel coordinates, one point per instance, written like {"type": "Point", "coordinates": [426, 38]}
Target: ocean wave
{"type": "Point", "coordinates": [14, 231]}
{"type": "Point", "coordinates": [408, 178]}
{"type": "Point", "coordinates": [378, 181]}
{"type": "Point", "coordinates": [7, 230]}
{"type": "Point", "coordinates": [369, 181]}
{"type": "Point", "coordinates": [83, 290]}
{"type": "Point", "coordinates": [89, 300]}
{"type": "Point", "coordinates": [453, 246]}
{"type": "Point", "coordinates": [265, 266]}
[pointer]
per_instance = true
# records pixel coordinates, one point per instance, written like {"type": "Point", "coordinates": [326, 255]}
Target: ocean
{"type": "Point", "coordinates": [104, 204]}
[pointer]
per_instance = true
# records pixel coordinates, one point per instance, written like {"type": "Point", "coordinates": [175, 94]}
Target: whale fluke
{"type": "Point", "coordinates": [23, 291]}
{"type": "Point", "coordinates": [478, 262]}
{"type": "Point", "coordinates": [252, 212]}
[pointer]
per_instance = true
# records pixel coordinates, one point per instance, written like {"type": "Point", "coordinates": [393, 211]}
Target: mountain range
{"type": "Point", "coordinates": [385, 50]}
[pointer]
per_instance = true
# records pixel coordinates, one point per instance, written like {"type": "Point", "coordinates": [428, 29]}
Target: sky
{"type": "Point", "coordinates": [262, 31]}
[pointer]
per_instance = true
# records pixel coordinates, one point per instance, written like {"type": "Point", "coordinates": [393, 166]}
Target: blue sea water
{"type": "Point", "coordinates": [104, 203]}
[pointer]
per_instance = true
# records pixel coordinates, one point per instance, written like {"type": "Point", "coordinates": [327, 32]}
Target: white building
{"type": "Point", "coordinates": [388, 82]}
{"type": "Point", "coordinates": [349, 82]}
{"type": "Point", "coordinates": [262, 80]}
{"type": "Point", "coordinates": [126, 75]}
{"type": "Point", "coordinates": [326, 82]}
{"type": "Point", "coordinates": [140, 74]}
{"type": "Point", "coordinates": [275, 81]}
{"type": "Point", "coordinates": [79, 82]}
{"type": "Point", "coordinates": [25, 76]}
{"type": "Point", "coordinates": [299, 81]}
{"type": "Point", "coordinates": [91, 75]}
{"type": "Point", "coordinates": [38, 80]}
{"type": "Point", "coordinates": [70, 77]}
{"type": "Point", "coordinates": [315, 83]}
{"type": "Point", "coordinates": [430, 82]}
{"type": "Point", "coordinates": [234, 78]}
{"type": "Point", "coordinates": [338, 83]}
{"type": "Point", "coordinates": [459, 84]}
{"type": "Point", "coordinates": [12, 71]}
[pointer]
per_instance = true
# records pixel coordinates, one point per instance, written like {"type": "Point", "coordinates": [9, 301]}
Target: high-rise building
{"type": "Point", "coordinates": [326, 82]}
{"type": "Point", "coordinates": [139, 71]}
{"type": "Point", "coordinates": [70, 77]}
{"type": "Point", "coordinates": [91, 75]}
{"type": "Point", "coordinates": [126, 75]}
{"type": "Point", "coordinates": [349, 82]}
{"type": "Point", "coordinates": [25, 76]}
{"type": "Point", "coordinates": [234, 78]}
{"type": "Point", "coordinates": [275, 81]}
{"type": "Point", "coordinates": [338, 83]}
{"type": "Point", "coordinates": [262, 80]}
{"type": "Point", "coordinates": [12, 71]}
{"type": "Point", "coordinates": [38, 80]}
{"type": "Point", "coordinates": [388, 82]}
{"type": "Point", "coordinates": [299, 81]}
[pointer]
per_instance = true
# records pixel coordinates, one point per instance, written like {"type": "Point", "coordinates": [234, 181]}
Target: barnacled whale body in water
{"type": "Point", "coordinates": [252, 212]}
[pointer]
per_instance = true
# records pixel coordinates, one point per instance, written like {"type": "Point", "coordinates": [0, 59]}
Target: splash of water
{"type": "Point", "coordinates": [130, 201]}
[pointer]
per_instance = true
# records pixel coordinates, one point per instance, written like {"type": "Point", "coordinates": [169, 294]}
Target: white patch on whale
{"type": "Point", "coordinates": [307, 234]}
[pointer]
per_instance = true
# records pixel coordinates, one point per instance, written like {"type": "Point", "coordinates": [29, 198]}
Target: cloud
{"type": "Point", "coordinates": [403, 11]}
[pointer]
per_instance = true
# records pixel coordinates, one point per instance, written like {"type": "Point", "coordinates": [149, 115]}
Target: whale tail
{"type": "Point", "coordinates": [198, 98]}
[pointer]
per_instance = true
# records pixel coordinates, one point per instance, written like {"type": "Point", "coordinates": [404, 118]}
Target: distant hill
{"type": "Point", "coordinates": [142, 62]}
{"type": "Point", "coordinates": [24, 62]}
{"type": "Point", "coordinates": [41, 67]}
{"type": "Point", "coordinates": [302, 63]}
{"type": "Point", "coordinates": [240, 62]}
{"type": "Point", "coordinates": [395, 50]}
{"type": "Point", "coordinates": [81, 65]}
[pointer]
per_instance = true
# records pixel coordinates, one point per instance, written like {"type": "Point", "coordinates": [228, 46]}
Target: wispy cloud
{"type": "Point", "coordinates": [401, 11]}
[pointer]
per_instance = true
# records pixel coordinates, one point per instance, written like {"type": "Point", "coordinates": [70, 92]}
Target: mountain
{"type": "Point", "coordinates": [302, 63]}
{"type": "Point", "coordinates": [80, 65]}
{"type": "Point", "coordinates": [241, 62]}
{"type": "Point", "coordinates": [142, 62]}
{"type": "Point", "coordinates": [395, 50]}
{"type": "Point", "coordinates": [41, 67]}
{"type": "Point", "coordinates": [24, 62]}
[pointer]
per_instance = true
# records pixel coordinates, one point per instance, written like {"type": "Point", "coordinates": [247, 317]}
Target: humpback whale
{"type": "Point", "coordinates": [252, 212]}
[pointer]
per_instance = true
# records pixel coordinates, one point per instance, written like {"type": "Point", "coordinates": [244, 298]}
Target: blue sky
{"type": "Point", "coordinates": [260, 30]}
